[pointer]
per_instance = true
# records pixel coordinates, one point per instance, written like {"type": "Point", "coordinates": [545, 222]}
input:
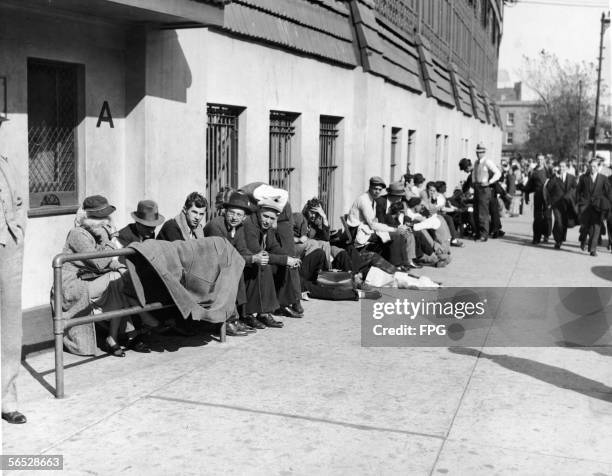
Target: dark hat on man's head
{"type": "Point", "coordinates": [376, 180]}
{"type": "Point", "coordinates": [238, 200]}
{"type": "Point", "coordinates": [147, 214]}
{"type": "Point", "coordinates": [396, 189]}
{"type": "Point", "coordinates": [97, 206]}
{"type": "Point", "coordinates": [464, 164]}
{"type": "Point", "coordinates": [480, 147]}
{"type": "Point", "coordinates": [413, 201]}
{"type": "Point", "coordinates": [418, 179]}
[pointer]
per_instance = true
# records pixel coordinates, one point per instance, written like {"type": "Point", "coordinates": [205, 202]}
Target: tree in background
{"type": "Point", "coordinates": [567, 109]}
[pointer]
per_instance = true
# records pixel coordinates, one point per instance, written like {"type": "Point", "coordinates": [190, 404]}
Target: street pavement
{"type": "Point", "coordinates": [309, 399]}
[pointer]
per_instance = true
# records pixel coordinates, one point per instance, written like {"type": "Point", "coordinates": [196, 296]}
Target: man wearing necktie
{"type": "Point", "coordinates": [484, 176]}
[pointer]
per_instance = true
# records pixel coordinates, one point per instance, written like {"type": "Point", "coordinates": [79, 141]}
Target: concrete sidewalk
{"type": "Point", "coordinates": [308, 399]}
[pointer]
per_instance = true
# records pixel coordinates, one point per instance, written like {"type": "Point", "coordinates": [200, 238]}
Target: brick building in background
{"type": "Point", "coordinates": [516, 117]}
{"type": "Point", "coordinates": [138, 99]}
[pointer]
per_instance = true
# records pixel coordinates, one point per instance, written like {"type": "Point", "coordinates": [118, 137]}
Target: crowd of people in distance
{"type": "Point", "coordinates": [563, 196]}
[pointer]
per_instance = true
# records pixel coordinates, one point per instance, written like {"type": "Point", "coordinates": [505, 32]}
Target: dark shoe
{"type": "Point", "coordinates": [252, 321]}
{"type": "Point", "coordinates": [269, 321]}
{"type": "Point", "coordinates": [137, 345]}
{"type": "Point", "coordinates": [289, 312]}
{"type": "Point", "coordinates": [583, 245]}
{"type": "Point", "coordinates": [17, 418]}
{"type": "Point", "coordinates": [297, 307]}
{"type": "Point", "coordinates": [557, 246]}
{"type": "Point", "coordinates": [501, 233]}
{"type": "Point", "coordinates": [114, 350]}
{"type": "Point", "coordinates": [231, 330]}
{"type": "Point", "coordinates": [545, 240]}
{"type": "Point", "coordinates": [535, 242]}
{"type": "Point", "coordinates": [593, 253]}
{"type": "Point", "coordinates": [243, 327]}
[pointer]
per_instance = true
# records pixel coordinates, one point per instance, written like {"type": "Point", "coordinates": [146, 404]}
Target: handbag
{"type": "Point", "coordinates": [335, 279]}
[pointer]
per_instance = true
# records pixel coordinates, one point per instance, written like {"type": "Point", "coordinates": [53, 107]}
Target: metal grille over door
{"type": "Point", "coordinates": [221, 151]}
{"type": "Point", "coordinates": [282, 133]}
{"type": "Point", "coordinates": [328, 144]}
{"type": "Point", "coordinates": [52, 122]}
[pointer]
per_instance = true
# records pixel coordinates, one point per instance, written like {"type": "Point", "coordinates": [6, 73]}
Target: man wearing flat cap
{"type": "Point", "coordinates": [363, 210]}
{"type": "Point", "coordinates": [266, 273]}
{"type": "Point", "coordinates": [363, 214]}
{"type": "Point", "coordinates": [146, 219]}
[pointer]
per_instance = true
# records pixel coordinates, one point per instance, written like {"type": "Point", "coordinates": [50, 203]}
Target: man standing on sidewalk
{"type": "Point", "coordinates": [484, 176]}
{"type": "Point", "coordinates": [535, 185]}
{"type": "Point", "coordinates": [12, 232]}
{"type": "Point", "coordinates": [593, 196]}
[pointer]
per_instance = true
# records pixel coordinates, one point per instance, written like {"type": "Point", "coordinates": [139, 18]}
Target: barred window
{"type": "Point", "coordinates": [328, 150]}
{"type": "Point", "coordinates": [509, 138]}
{"type": "Point", "coordinates": [395, 139]}
{"type": "Point", "coordinates": [221, 151]}
{"type": "Point", "coordinates": [410, 153]}
{"type": "Point", "coordinates": [53, 116]}
{"type": "Point", "coordinates": [282, 146]}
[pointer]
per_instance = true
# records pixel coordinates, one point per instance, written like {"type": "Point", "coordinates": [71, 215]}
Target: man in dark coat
{"type": "Point", "coordinates": [535, 185]}
{"type": "Point", "coordinates": [187, 225]}
{"type": "Point", "coordinates": [146, 219]}
{"type": "Point", "coordinates": [560, 191]}
{"type": "Point", "coordinates": [401, 250]}
{"type": "Point", "coordinates": [229, 226]}
{"type": "Point", "coordinates": [266, 277]}
{"type": "Point", "coordinates": [593, 198]}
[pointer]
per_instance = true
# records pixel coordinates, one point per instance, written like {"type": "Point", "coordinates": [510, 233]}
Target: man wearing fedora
{"type": "Point", "coordinates": [229, 225]}
{"type": "Point", "coordinates": [484, 175]}
{"type": "Point", "coordinates": [401, 250]}
{"type": "Point", "coordinates": [146, 219]}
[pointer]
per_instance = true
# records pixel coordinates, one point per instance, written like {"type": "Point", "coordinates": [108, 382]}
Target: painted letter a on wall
{"type": "Point", "coordinates": [105, 115]}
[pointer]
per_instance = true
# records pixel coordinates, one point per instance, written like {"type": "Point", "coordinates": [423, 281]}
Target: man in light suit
{"type": "Point", "coordinates": [12, 232]}
{"type": "Point", "coordinates": [593, 197]}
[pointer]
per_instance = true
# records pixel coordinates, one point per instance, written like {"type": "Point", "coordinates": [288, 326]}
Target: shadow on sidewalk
{"type": "Point", "coordinates": [603, 272]}
{"type": "Point", "coordinates": [204, 333]}
{"type": "Point", "coordinates": [550, 374]}
{"type": "Point", "coordinates": [606, 351]}
{"type": "Point", "coordinates": [526, 241]}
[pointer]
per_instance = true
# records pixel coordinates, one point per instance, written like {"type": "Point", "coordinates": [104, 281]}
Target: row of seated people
{"type": "Point", "coordinates": [258, 223]}
{"type": "Point", "coordinates": [411, 226]}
